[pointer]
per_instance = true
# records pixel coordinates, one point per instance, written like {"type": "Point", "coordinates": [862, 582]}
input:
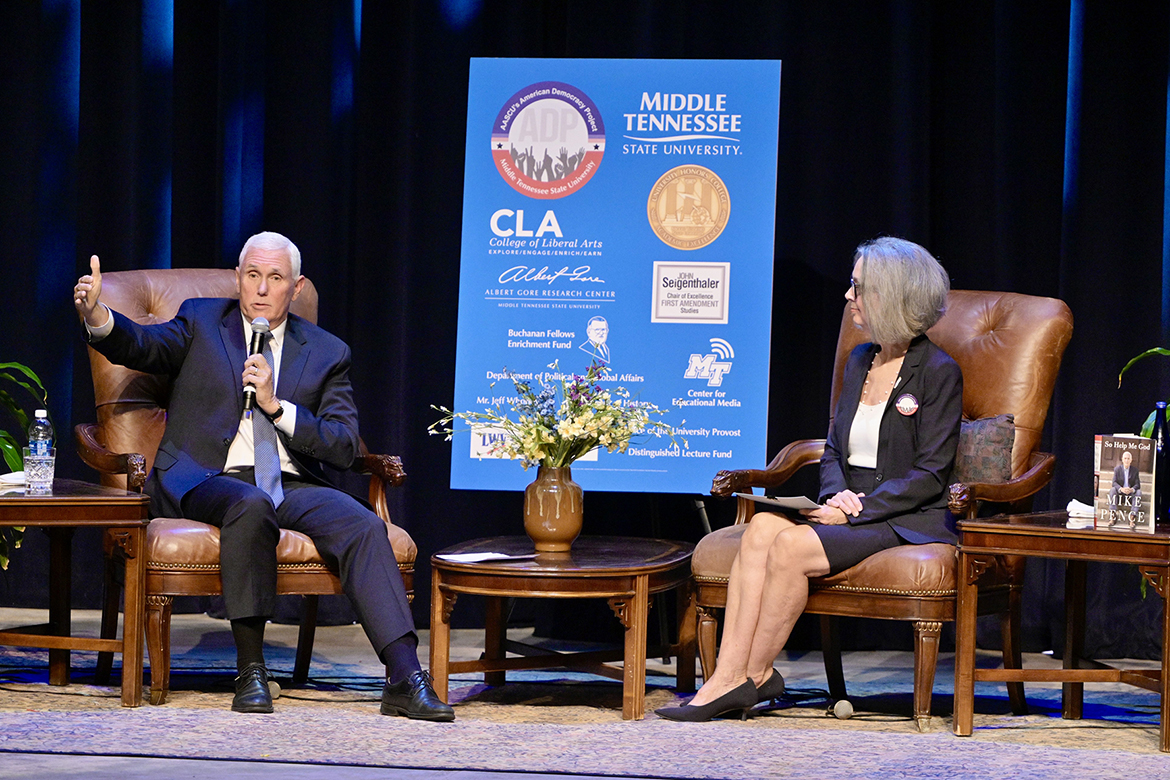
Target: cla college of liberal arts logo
{"type": "Point", "coordinates": [688, 207]}
{"type": "Point", "coordinates": [548, 140]}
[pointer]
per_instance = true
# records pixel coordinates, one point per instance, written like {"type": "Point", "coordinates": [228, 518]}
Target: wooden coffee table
{"type": "Point", "coordinates": [82, 505]}
{"type": "Point", "coordinates": [1045, 535]}
{"type": "Point", "coordinates": [623, 570]}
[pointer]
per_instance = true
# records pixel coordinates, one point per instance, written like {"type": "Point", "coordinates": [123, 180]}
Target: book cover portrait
{"type": "Point", "coordinates": [1125, 482]}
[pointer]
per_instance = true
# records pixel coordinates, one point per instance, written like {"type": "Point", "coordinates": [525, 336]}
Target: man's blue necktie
{"type": "Point", "coordinates": [264, 439]}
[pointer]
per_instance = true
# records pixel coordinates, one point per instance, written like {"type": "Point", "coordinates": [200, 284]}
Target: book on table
{"type": "Point", "coordinates": [1123, 482]}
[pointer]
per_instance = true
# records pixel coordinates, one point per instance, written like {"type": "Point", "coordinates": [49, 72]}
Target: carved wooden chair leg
{"type": "Point", "coordinates": [158, 645]}
{"type": "Point", "coordinates": [305, 639]}
{"type": "Point", "coordinates": [926, 640]}
{"type": "Point", "coordinates": [1012, 657]}
{"type": "Point", "coordinates": [708, 625]}
{"type": "Point", "coordinates": [111, 598]}
{"type": "Point", "coordinates": [831, 650]}
{"type": "Point", "coordinates": [687, 625]}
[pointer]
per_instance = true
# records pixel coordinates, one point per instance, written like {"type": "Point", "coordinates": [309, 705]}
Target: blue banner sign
{"type": "Point", "coordinates": [621, 211]}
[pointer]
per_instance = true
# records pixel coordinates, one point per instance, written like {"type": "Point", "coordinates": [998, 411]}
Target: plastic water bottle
{"type": "Point", "coordinates": [40, 434]}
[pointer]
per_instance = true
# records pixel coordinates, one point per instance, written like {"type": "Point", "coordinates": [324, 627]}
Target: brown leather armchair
{"type": "Point", "coordinates": [1009, 348]}
{"type": "Point", "coordinates": [183, 555]}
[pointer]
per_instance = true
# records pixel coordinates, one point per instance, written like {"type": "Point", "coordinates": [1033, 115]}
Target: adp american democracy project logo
{"type": "Point", "coordinates": [548, 140]}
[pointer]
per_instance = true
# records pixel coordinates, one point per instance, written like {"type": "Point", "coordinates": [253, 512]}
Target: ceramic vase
{"type": "Point", "coordinates": [553, 506]}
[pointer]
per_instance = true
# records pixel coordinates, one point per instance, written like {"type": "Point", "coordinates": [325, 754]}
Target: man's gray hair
{"type": "Point", "coordinates": [904, 289]}
{"type": "Point", "coordinates": [277, 243]}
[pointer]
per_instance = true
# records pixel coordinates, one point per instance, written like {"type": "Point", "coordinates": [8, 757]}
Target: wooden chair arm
{"type": "Point", "coordinates": [385, 471]}
{"type": "Point", "coordinates": [786, 463]}
{"type": "Point", "coordinates": [95, 455]}
{"type": "Point", "coordinates": [965, 498]}
{"type": "Point", "coordinates": [780, 470]}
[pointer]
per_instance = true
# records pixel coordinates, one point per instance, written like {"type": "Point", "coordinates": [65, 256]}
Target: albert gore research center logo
{"type": "Point", "coordinates": [548, 140]}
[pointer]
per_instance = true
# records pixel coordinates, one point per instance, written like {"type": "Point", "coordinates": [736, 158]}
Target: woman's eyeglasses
{"type": "Point", "coordinates": [855, 286]}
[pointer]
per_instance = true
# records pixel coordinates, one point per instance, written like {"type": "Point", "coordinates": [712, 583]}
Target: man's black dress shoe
{"type": "Point", "coordinates": [252, 694]}
{"type": "Point", "coordinates": [737, 701]}
{"type": "Point", "coordinates": [415, 698]}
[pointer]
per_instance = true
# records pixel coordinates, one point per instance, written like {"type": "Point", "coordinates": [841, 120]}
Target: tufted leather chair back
{"type": "Point", "coordinates": [132, 406]}
{"type": "Point", "coordinates": [1008, 346]}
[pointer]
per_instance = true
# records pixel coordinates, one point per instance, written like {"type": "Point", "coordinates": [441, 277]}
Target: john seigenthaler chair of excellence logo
{"type": "Point", "coordinates": [548, 140]}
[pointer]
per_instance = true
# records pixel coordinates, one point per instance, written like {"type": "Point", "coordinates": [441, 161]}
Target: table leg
{"type": "Point", "coordinates": [688, 619]}
{"type": "Point", "coordinates": [1073, 693]}
{"type": "Point", "coordinates": [134, 613]}
{"type": "Point", "coordinates": [968, 594]}
{"type": "Point", "coordinates": [60, 587]}
{"type": "Point", "coordinates": [441, 606]}
{"type": "Point", "coordinates": [634, 613]}
{"type": "Point", "coordinates": [495, 634]}
{"type": "Point", "coordinates": [1164, 576]}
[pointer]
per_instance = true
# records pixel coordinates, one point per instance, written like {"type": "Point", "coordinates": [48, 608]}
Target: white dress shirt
{"type": "Point", "coordinates": [863, 436]}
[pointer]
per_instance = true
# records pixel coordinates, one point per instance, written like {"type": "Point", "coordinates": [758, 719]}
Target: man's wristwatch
{"type": "Point", "coordinates": [275, 416]}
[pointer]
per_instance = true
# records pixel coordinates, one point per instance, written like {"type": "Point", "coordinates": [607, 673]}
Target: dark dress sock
{"type": "Point", "coordinates": [401, 658]}
{"type": "Point", "coordinates": [249, 636]}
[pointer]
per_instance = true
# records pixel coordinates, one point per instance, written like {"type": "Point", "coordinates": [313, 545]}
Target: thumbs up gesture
{"type": "Point", "coordinates": [87, 292]}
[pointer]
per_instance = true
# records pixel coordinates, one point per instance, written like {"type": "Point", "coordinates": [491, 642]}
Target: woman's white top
{"type": "Point", "coordinates": [863, 436]}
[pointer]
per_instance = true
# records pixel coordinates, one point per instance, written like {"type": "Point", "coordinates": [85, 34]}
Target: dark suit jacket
{"type": "Point", "coordinates": [916, 452]}
{"type": "Point", "coordinates": [203, 350]}
{"type": "Point", "coordinates": [1119, 476]}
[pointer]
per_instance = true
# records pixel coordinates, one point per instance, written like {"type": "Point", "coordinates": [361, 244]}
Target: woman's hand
{"type": "Point", "coordinates": [847, 501]}
{"type": "Point", "coordinates": [837, 509]}
{"type": "Point", "coordinates": [825, 515]}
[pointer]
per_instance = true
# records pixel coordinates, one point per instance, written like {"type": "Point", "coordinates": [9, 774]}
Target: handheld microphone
{"type": "Point", "coordinates": [842, 710]}
{"type": "Point", "coordinates": [255, 347]}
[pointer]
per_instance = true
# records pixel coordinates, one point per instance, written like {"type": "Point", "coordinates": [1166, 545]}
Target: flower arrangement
{"type": "Point", "coordinates": [558, 422]}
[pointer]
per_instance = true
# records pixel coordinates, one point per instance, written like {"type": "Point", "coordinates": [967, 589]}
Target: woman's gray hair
{"type": "Point", "coordinates": [274, 242]}
{"type": "Point", "coordinates": [904, 288]}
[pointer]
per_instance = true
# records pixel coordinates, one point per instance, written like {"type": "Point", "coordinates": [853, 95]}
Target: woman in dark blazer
{"type": "Point", "coordinates": [887, 463]}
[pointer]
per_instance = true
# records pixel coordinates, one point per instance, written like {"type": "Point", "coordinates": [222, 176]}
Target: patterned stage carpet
{"type": "Point", "coordinates": [569, 723]}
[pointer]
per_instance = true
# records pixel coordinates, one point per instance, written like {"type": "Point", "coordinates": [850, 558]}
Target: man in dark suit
{"type": "Point", "coordinates": [252, 473]}
{"type": "Point", "coordinates": [1125, 495]}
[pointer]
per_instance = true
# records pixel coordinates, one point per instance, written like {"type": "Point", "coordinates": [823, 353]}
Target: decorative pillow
{"type": "Point", "coordinates": [985, 450]}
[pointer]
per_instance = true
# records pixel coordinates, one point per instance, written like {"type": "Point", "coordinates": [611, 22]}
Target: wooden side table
{"type": "Point", "coordinates": [982, 541]}
{"type": "Point", "coordinates": [623, 570]}
{"type": "Point", "coordinates": [74, 505]}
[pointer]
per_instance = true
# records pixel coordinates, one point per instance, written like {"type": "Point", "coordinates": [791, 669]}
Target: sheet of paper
{"type": "Point", "coordinates": [785, 502]}
{"type": "Point", "coordinates": [483, 556]}
{"type": "Point", "coordinates": [13, 478]}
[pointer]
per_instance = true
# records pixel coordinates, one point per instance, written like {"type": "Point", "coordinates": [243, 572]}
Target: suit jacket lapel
{"type": "Point", "coordinates": [909, 368]}
{"type": "Point", "coordinates": [294, 356]}
{"type": "Point", "coordinates": [231, 330]}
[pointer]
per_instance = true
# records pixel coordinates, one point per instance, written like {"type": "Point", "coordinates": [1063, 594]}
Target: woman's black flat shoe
{"type": "Point", "coordinates": [772, 688]}
{"type": "Point", "coordinates": [740, 699]}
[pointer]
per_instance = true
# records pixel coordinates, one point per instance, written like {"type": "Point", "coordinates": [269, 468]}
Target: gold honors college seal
{"type": "Point", "coordinates": [548, 140]}
{"type": "Point", "coordinates": [688, 207]}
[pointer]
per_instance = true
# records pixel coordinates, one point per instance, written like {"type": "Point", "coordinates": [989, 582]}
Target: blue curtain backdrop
{"type": "Point", "coordinates": [1024, 144]}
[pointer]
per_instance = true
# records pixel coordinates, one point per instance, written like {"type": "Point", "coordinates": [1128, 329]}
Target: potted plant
{"type": "Point", "coordinates": [553, 426]}
{"type": "Point", "coordinates": [17, 383]}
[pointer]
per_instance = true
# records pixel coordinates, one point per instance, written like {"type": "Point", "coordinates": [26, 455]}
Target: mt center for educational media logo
{"type": "Point", "coordinates": [548, 140]}
{"type": "Point", "coordinates": [707, 367]}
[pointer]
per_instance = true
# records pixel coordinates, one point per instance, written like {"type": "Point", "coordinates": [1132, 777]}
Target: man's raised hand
{"type": "Point", "coordinates": [87, 293]}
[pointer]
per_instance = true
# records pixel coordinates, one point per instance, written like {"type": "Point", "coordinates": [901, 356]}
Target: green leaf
{"type": "Point", "coordinates": [1148, 425]}
{"type": "Point", "coordinates": [1155, 351]}
{"type": "Point", "coordinates": [11, 449]}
